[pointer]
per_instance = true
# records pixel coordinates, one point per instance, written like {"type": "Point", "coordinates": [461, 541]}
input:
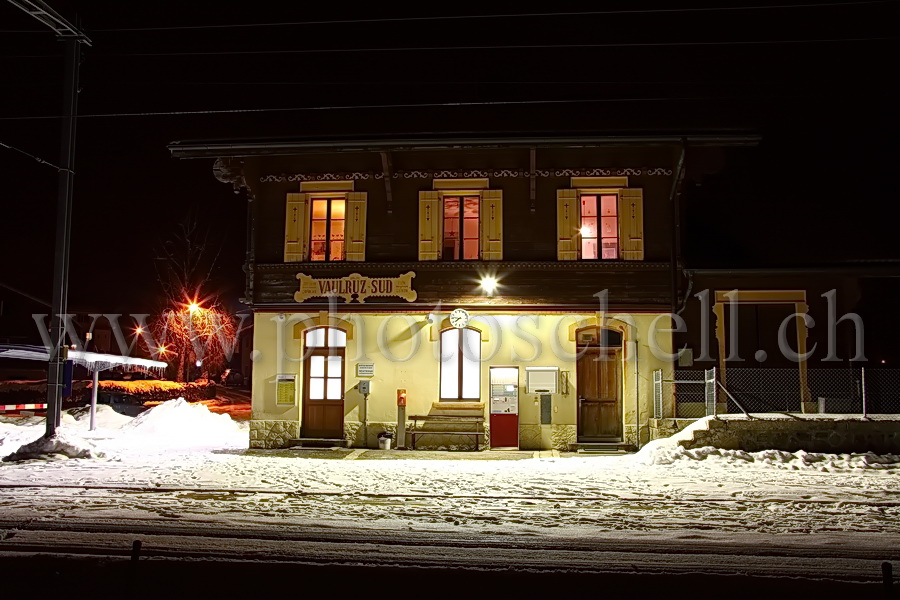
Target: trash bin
{"type": "Point", "coordinates": [384, 440]}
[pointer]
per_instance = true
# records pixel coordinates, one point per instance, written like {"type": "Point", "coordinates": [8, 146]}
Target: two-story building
{"type": "Point", "coordinates": [528, 281]}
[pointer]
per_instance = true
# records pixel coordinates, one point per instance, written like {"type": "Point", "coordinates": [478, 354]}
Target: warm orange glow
{"type": "Point", "coordinates": [138, 330]}
{"type": "Point", "coordinates": [193, 307]}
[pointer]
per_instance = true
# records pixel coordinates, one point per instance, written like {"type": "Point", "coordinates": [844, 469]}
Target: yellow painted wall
{"type": "Point", "coordinates": [411, 361]}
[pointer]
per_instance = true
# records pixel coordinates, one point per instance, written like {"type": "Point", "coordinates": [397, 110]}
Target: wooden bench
{"type": "Point", "coordinates": [444, 420]}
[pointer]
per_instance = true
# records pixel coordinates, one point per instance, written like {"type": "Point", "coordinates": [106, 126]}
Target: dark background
{"type": "Point", "coordinates": [818, 82]}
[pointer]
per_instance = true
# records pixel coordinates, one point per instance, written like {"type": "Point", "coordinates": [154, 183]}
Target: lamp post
{"type": "Point", "coordinates": [73, 38]}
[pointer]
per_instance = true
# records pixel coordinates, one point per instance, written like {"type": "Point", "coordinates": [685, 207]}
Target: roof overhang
{"type": "Point", "coordinates": [222, 148]}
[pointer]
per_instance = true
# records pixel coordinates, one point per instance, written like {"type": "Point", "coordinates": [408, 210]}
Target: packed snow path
{"type": "Point", "coordinates": [178, 467]}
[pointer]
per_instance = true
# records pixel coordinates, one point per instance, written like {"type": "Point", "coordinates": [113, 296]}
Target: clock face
{"type": "Point", "coordinates": [459, 318]}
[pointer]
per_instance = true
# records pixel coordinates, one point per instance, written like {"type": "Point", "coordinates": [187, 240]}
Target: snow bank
{"type": "Point", "coordinates": [65, 443]}
{"type": "Point", "coordinates": [105, 417]}
{"type": "Point", "coordinates": [178, 423]}
{"type": "Point", "coordinates": [668, 451]}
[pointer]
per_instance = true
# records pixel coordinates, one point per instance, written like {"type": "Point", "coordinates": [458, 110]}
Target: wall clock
{"type": "Point", "coordinates": [459, 318]}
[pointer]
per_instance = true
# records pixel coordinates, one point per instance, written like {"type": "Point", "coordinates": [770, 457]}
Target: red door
{"type": "Point", "coordinates": [504, 407]}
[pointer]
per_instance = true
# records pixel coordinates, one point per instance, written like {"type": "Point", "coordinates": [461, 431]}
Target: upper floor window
{"type": "Point", "coordinates": [327, 229]}
{"type": "Point", "coordinates": [461, 228]}
{"type": "Point", "coordinates": [599, 226]}
{"type": "Point", "coordinates": [601, 222]}
{"type": "Point", "coordinates": [461, 219]}
{"type": "Point", "coordinates": [325, 224]}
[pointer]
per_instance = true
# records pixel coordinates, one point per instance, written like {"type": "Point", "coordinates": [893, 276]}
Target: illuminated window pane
{"type": "Point", "coordinates": [610, 249]}
{"type": "Point", "coordinates": [589, 206]}
{"type": "Point", "coordinates": [450, 364]}
{"type": "Point", "coordinates": [334, 389]}
{"type": "Point", "coordinates": [471, 364]}
{"type": "Point", "coordinates": [609, 227]}
{"type": "Point", "coordinates": [315, 338]}
{"type": "Point", "coordinates": [337, 209]}
{"type": "Point", "coordinates": [317, 366]}
{"type": "Point", "coordinates": [336, 338]}
{"type": "Point", "coordinates": [588, 228]}
{"type": "Point", "coordinates": [334, 365]}
{"type": "Point", "coordinates": [320, 209]}
{"type": "Point", "coordinates": [461, 228]}
{"type": "Point", "coordinates": [327, 229]}
{"type": "Point", "coordinates": [608, 206]}
{"type": "Point", "coordinates": [316, 388]}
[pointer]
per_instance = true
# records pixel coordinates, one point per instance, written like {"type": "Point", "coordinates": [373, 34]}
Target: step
{"type": "Point", "coordinates": [602, 448]}
{"type": "Point", "coordinates": [318, 442]}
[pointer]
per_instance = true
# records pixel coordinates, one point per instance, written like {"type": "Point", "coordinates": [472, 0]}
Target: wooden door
{"type": "Point", "coordinates": [323, 394]}
{"type": "Point", "coordinates": [599, 395]}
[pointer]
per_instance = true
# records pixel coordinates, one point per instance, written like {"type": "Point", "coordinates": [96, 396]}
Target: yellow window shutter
{"type": "Point", "coordinates": [631, 223]}
{"type": "Point", "coordinates": [491, 222]}
{"type": "Point", "coordinates": [296, 218]}
{"type": "Point", "coordinates": [356, 226]}
{"type": "Point", "coordinates": [567, 224]}
{"type": "Point", "coordinates": [430, 216]}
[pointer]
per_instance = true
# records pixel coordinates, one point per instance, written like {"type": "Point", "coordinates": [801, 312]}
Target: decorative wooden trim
{"type": "Point", "coordinates": [470, 174]}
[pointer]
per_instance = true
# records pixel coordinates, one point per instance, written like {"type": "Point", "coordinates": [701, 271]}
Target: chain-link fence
{"type": "Point", "coordinates": [839, 390]}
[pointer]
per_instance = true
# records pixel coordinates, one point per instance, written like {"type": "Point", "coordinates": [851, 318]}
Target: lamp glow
{"type": "Point", "coordinates": [585, 231]}
{"type": "Point", "coordinates": [489, 284]}
{"type": "Point", "coordinates": [193, 307]}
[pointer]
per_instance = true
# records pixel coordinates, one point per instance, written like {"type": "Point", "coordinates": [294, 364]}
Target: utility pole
{"type": "Point", "coordinates": [73, 38]}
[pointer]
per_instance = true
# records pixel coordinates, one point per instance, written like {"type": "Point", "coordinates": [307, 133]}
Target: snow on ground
{"type": "Point", "coordinates": [178, 460]}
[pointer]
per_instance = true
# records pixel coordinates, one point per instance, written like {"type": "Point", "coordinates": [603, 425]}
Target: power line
{"type": "Point", "coordinates": [40, 160]}
{"type": "Point", "coordinates": [377, 106]}
{"type": "Point", "coordinates": [472, 17]}
{"type": "Point", "coordinates": [498, 47]}
{"type": "Point", "coordinates": [495, 16]}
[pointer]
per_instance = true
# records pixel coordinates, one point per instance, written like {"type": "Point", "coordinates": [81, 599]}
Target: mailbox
{"type": "Point", "coordinates": [401, 397]}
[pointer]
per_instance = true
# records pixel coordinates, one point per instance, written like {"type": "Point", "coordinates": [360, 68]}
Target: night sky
{"type": "Point", "coordinates": [821, 188]}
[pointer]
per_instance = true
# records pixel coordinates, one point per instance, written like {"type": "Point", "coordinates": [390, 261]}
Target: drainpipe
{"type": "Point", "coordinates": [674, 195]}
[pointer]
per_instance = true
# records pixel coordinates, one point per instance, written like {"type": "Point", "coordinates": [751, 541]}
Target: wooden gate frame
{"type": "Point", "coordinates": [801, 309]}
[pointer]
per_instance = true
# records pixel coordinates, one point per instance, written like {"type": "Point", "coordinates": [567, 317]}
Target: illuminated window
{"type": "Point", "coordinates": [599, 226]}
{"type": "Point", "coordinates": [460, 365]}
{"type": "Point", "coordinates": [327, 229]}
{"type": "Point", "coordinates": [461, 228]}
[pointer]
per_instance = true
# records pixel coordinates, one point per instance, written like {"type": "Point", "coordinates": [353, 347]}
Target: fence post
{"type": "Point", "coordinates": [657, 394]}
{"type": "Point", "coordinates": [863, 383]}
{"type": "Point", "coordinates": [709, 391]}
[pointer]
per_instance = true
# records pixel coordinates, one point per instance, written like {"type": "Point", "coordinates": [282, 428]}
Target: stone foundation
{"type": "Point", "coordinates": [561, 436]}
{"type": "Point", "coordinates": [812, 433]}
{"type": "Point", "coordinates": [273, 434]}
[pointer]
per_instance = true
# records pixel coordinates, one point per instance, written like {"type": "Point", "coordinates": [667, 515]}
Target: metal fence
{"type": "Point", "coordinates": [698, 393]}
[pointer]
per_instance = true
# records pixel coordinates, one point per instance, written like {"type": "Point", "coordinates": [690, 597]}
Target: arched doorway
{"type": "Point", "coordinates": [323, 383]}
{"type": "Point", "coordinates": [599, 377]}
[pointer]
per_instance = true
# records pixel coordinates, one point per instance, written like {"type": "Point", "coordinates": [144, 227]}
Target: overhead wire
{"type": "Point", "coordinates": [372, 106]}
